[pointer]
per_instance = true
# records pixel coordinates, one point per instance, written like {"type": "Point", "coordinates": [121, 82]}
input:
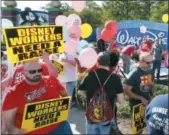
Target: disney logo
{"type": "Point", "coordinates": [124, 38]}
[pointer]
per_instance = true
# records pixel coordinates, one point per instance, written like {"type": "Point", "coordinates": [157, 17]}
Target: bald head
{"type": "Point", "coordinates": [31, 65]}
{"type": "Point", "coordinates": [146, 60]}
{"type": "Point", "coordinates": [145, 55]}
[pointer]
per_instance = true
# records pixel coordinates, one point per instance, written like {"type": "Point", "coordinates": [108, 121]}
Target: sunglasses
{"type": "Point", "coordinates": [148, 62]}
{"type": "Point", "coordinates": [35, 71]}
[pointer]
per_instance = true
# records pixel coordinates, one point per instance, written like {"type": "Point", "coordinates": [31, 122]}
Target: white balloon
{"type": "Point", "coordinates": [60, 20]}
{"type": "Point", "coordinates": [6, 23]}
{"type": "Point", "coordinates": [143, 29]}
{"type": "Point", "coordinates": [73, 19]}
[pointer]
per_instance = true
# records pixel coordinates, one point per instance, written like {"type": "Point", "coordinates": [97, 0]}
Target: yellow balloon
{"type": "Point", "coordinates": [165, 18]}
{"type": "Point", "coordinates": [86, 30]}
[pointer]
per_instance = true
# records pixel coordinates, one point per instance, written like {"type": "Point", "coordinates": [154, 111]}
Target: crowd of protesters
{"type": "Point", "coordinates": [34, 81]}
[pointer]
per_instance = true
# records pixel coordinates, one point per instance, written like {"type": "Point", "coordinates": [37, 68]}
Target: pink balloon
{"type": "Point", "coordinates": [78, 5]}
{"type": "Point", "coordinates": [106, 35]}
{"type": "Point", "coordinates": [74, 32]}
{"type": "Point", "coordinates": [60, 20]}
{"type": "Point", "coordinates": [73, 19]}
{"type": "Point", "coordinates": [88, 58]}
{"type": "Point", "coordinates": [71, 47]}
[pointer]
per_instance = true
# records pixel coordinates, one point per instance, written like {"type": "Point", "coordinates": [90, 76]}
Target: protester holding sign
{"type": "Point", "coordinates": [33, 88]}
{"type": "Point", "coordinates": [48, 69]}
{"type": "Point", "coordinates": [139, 85]}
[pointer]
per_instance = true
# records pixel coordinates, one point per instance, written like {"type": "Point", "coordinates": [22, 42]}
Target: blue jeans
{"type": "Point", "coordinates": [62, 129]}
{"type": "Point", "coordinates": [100, 128]}
{"type": "Point", "coordinates": [156, 65]}
{"type": "Point", "coordinates": [70, 87]}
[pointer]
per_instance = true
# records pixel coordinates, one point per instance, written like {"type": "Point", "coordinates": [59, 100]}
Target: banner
{"type": "Point", "coordinates": [25, 43]}
{"type": "Point", "coordinates": [59, 67]}
{"type": "Point", "coordinates": [45, 113]}
{"type": "Point", "coordinates": [129, 33]}
{"type": "Point", "coordinates": [138, 118]}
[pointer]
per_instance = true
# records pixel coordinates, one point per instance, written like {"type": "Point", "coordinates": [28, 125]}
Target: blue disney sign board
{"type": "Point", "coordinates": [129, 32]}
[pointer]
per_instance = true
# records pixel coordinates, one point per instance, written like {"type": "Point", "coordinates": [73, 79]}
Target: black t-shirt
{"type": "Point", "coordinates": [113, 86]}
{"type": "Point", "coordinates": [141, 81]}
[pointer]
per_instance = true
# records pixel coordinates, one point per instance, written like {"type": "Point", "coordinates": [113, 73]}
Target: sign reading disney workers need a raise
{"type": "Point", "coordinates": [24, 43]}
{"type": "Point", "coordinates": [45, 113]}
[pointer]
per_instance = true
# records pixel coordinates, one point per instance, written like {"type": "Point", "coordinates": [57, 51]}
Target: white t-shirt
{"type": "Point", "coordinates": [69, 70]}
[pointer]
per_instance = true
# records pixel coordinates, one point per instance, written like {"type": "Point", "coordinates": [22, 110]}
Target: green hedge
{"type": "Point", "coordinates": [124, 109]}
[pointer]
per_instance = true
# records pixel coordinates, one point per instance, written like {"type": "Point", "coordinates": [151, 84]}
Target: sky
{"type": "Point", "coordinates": [36, 5]}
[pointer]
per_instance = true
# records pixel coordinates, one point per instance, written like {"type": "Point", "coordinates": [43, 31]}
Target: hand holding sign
{"type": "Point", "coordinates": [45, 57]}
{"type": "Point", "coordinates": [144, 101]}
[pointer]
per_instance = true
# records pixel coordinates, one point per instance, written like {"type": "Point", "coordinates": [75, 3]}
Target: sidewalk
{"type": "Point", "coordinates": [77, 121]}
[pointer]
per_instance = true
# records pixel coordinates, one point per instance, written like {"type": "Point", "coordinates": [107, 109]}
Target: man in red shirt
{"type": "Point", "coordinates": [48, 69]}
{"type": "Point", "coordinates": [33, 88]}
{"type": "Point", "coordinates": [126, 54]}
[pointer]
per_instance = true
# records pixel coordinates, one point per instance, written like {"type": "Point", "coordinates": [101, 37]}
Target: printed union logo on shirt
{"type": "Point", "coordinates": [45, 113]}
{"type": "Point", "coordinates": [25, 43]}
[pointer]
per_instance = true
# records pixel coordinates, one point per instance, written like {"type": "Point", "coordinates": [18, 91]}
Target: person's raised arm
{"type": "Point", "coordinates": [52, 70]}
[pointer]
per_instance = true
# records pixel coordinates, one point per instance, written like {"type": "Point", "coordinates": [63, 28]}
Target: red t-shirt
{"type": "Point", "coordinates": [128, 50]}
{"type": "Point", "coordinates": [18, 76]}
{"type": "Point", "coordinates": [17, 97]}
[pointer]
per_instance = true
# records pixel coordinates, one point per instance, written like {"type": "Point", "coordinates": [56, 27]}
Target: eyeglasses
{"type": "Point", "coordinates": [34, 71]}
{"type": "Point", "coordinates": [148, 62]}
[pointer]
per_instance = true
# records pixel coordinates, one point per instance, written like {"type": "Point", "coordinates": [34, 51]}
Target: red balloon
{"type": "Point", "coordinates": [111, 25]}
{"type": "Point", "coordinates": [106, 35]}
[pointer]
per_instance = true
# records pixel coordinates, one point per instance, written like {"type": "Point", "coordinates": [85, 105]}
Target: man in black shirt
{"type": "Point", "coordinates": [113, 88]}
{"type": "Point", "coordinates": [139, 85]}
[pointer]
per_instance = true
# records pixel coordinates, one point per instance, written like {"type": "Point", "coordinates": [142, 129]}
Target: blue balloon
{"type": "Point", "coordinates": [65, 34]}
{"type": "Point", "coordinates": [82, 45]}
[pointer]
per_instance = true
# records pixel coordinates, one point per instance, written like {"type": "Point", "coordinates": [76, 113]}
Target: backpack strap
{"type": "Point", "coordinates": [106, 79]}
{"type": "Point", "coordinates": [97, 78]}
